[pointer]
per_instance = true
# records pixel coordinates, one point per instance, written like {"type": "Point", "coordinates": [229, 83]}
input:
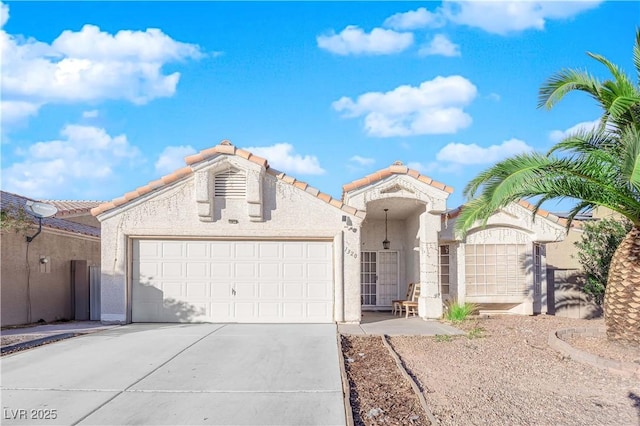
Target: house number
{"type": "Point", "coordinates": [350, 252]}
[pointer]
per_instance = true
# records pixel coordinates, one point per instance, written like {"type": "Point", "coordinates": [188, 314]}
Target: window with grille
{"type": "Point", "coordinates": [495, 269]}
{"type": "Point", "coordinates": [444, 269]}
{"type": "Point", "coordinates": [231, 183]}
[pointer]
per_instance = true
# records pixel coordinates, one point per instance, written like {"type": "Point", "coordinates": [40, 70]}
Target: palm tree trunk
{"type": "Point", "coordinates": [622, 295]}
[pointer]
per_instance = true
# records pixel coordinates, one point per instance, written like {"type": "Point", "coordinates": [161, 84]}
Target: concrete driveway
{"type": "Point", "coordinates": [174, 374]}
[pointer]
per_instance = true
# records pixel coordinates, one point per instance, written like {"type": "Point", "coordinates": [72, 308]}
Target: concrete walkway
{"type": "Point", "coordinates": [379, 323]}
{"type": "Point", "coordinates": [233, 374]}
{"type": "Point", "coordinates": [58, 328]}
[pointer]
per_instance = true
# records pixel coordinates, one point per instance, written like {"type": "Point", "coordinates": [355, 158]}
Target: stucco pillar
{"type": "Point", "coordinates": [338, 244]}
{"type": "Point", "coordinates": [430, 301]}
{"type": "Point", "coordinates": [460, 268]}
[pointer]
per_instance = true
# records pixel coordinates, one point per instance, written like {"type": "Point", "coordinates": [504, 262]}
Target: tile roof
{"type": "Point", "coordinates": [224, 148]}
{"type": "Point", "coordinates": [397, 168]}
{"type": "Point", "coordinates": [67, 207]}
{"type": "Point", "coordinates": [9, 201]}
{"type": "Point", "coordinates": [451, 214]}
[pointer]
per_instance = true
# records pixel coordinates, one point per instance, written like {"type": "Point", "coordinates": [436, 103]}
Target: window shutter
{"type": "Point", "coordinates": [231, 183]}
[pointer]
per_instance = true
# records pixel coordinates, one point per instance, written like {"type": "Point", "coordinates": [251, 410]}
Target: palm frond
{"type": "Point", "coordinates": [565, 81]}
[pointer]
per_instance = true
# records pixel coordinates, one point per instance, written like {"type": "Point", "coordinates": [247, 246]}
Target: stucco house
{"type": "Point", "coordinates": [227, 238]}
{"type": "Point", "coordinates": [48, 278]}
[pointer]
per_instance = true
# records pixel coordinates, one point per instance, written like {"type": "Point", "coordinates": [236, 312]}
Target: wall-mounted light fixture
{"type": "Point", "coordinates": [386, 243]}
{"type": "Point", "coordinates": [39, 210]}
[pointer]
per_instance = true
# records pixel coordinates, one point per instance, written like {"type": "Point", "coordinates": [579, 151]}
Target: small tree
{"type": "Point", "coordinates": [596, 248]}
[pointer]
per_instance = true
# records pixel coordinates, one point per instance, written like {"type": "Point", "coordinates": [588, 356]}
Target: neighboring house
{"type": "Point", "coordinates": [229, 239]}
{"type": "Point", "coordinates": [48, 278]}
{"type": "Point", "coordinates": [76, 211]}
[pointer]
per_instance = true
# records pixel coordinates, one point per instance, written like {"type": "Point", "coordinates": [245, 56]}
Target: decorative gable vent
{"type": "Point", "coordinates": [231, 183]}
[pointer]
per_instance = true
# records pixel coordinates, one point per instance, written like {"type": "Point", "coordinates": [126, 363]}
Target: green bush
{"type": "Point", "coordinates": [458, 312]}
{"type": "Point", "coordinates": [595, 250]}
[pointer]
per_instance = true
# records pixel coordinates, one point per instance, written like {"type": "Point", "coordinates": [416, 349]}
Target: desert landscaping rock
{"type": "Point", "coordinates": [511, 376]}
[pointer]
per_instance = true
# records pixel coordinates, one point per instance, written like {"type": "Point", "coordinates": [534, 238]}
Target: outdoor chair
{"type": "Point", "coordinates": [397, 304]}
{"type": "Point", "coordinates": [411, 306]}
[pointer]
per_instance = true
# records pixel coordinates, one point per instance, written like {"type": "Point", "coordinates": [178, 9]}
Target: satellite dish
{"type": "Point", "coordinates": [40, 210]}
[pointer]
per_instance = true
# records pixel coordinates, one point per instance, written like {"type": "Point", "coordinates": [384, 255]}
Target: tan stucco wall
{"type": "Point", "coordinates": [173, 212]}
{"type": "Point", "coordinates": [561, 255]}
{"type": "Point", "coordinates": [50, 284]}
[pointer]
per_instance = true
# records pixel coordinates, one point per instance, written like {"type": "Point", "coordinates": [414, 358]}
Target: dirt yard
{"type": "Point", "coordinates": [501, 373]}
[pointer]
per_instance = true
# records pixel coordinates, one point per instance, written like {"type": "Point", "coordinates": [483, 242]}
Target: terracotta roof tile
{"type": "Point", "coordinates": [195, 158]}
{"type": "Point", "coordinates": [68, 207]}
{"type": "Point", "coordinates": [396, 168]}
{"type": "Point", "coordinates": [225, 148]}
{"type": "Point", "coordinates": [336, 203]}
{"type": "Point", "coordinates": [13, 203]}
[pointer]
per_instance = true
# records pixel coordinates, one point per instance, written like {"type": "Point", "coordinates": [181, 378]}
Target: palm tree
{"type": "Point", "coordinates": [599, 167]}
{"type": "Point", "coordinates": [619, 97]}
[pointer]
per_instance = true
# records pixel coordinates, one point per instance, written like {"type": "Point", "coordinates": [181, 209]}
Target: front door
{"type": "Point", "coordinates": [379, 278]}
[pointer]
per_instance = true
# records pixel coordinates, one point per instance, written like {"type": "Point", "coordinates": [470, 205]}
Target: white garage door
{"type": "Point", "coordinates": [232, 281]}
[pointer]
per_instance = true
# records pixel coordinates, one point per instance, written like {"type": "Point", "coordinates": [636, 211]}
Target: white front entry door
{"type": "Point", "coordinates": [378, 277]}
{"type": "Point", "coordinates": [232, 281]}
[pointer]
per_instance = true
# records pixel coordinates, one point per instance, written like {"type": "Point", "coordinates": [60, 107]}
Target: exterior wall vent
{"type": "Point", "coordinates": [231, 183]}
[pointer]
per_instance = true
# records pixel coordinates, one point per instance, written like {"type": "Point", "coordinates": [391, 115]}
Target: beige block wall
{"type": "Point", "coordinates": [51, 295]}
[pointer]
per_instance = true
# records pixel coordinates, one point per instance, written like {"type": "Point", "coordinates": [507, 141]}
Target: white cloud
{"type": "Point", "coordinates": [90, 65]}
{"type": "Point", "coordinates": [468, 154]}
{"type": "Point", "coordinates": [83, 157]}
{"type": "Point", "coordinates": [558, 135]}
{"type": "Point", "coordinates": [172, 158]}
{"type": "Point", "coordinates": [440, 45]}
{"type": "Point", "coordinates": [90, 114]}
{"type": "Point", "coordinates": [281, 156]}
{"type": "Point", "coordinates": [433, 107]}
{"type": "Point", "coordinates": [353, 40]}
{"type": "Point", "coordinates": [494, 97]}
{"type": "Point", "coordinates": [503, 17]}
{"type": "Point", "coordinates": [415, 19]}
{"type": "Point", "coordinates": [422, 168]}
{"type": "Point", "coordinates": [362, 161]}
{"type": "Point", "coordinates": [13, 112]}
{"type": "Point", "coordinates": [4, 14]}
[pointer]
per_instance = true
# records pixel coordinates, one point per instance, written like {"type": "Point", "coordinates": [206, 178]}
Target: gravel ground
{"type": "Point", "coordinates": [507, 375]}
{"type": "Point", "coordinates": [19, 338]}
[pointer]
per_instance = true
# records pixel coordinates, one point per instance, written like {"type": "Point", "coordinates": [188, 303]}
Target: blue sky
{"type": "Point", "coordinates": [99, 98]}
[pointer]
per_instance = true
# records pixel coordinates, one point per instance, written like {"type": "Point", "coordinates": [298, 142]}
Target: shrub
{"type": "Point", "coordinates": [599, 241]}
{"type": "Point", "coordinates": [458, 312]}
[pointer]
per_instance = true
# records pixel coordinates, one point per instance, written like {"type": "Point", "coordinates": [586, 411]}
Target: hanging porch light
{"type": "Point", "coordinates": [386, 243]}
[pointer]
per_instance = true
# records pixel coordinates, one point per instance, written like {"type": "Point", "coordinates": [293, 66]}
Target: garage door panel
{"type": "Point", "coordinates": [269, 250]}
{"type": "Point", "coordinates": [320, 271]}
{"type": "Point", "coordinates": [293, 251]}
{"type": "Point", "coordinates": [293, 271]}
{"type": "Point", "coordinates": [221, 290]}
{"type": "Point", "coordinates": [172, 290]}
{"type": "Point", "coordinates": [317, 291]}
{"type": "Point", "coordinates": [198, 290]}
{"type": "Point", "coordinates": [269, 271]}
{"type": "Point", "coordinates": [269, 291]}
{"type": "Point", "coordinates": [245, 290]}
{"type": "Point", "coordinates": [221, 270]}
{"type": "Point", "coordinates": [293, 290]}
{"type": "Point", "coordinates": [245, 250]}
{"type": "Point", "coordinates": [245, 270]}
{"type": "Point", "coordinates": [172, 269]}
{"type": "Point", "coordinates": [173, 249]}
{"type": "Point", "coordinates": [198, 250]}
{"type": "Point", "coordinates": [232, 281]}
{"type": "Point", "coordinates": [269, 310]}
